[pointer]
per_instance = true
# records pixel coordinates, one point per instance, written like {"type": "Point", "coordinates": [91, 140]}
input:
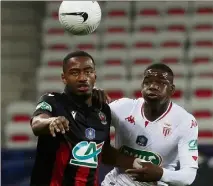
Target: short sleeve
{"type": "Point", "coordinates": [45, 105]}
{"type": "Point", "coordinates": [188, 143]}
{"type": "Point", "coordinates": [117, 106]}
{"type": "Point", "coordinates": [114, 106]}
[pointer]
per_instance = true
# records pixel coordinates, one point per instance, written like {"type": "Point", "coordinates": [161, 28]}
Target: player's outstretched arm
{"type": "Point", "coordinates": [43, 120]}
{"type": "Point", "coordinates": [40, 124]}
{"type": "Point", "coordinates": [44, 124]}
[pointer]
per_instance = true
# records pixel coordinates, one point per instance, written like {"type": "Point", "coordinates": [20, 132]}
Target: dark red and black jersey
{"type": "Point", "coordinates": [71, 159]}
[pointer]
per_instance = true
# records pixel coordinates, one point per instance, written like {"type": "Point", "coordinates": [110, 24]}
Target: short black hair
{"type": "Point", "coordinates": [161, 66]}
{"type": "Point", "coordinates": [78, 53]}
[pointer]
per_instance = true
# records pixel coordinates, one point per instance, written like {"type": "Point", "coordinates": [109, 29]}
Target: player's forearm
{"type": "Point", "coordinates": [113, 157]}
{"type": "Point", "coordinates": [40, 125]}
{"type": "Point", "coordinates": [185, 176]}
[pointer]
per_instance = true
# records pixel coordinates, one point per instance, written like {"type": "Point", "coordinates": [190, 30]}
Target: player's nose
{"type": "Point", "coordinates": [82, 77]}
{"type": "Point", "coordinates": [153, 86]}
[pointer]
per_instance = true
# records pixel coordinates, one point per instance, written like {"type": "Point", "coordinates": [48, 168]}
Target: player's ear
{"type": "Point", "coordinates": [63, 78]}
{"type": "Point", "coordinates": [172, 89]}
{"type": "Point", "coordinates": [95, 74]}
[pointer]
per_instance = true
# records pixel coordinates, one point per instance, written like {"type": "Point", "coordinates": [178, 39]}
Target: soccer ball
{"type": "Point", "coordinates": [79, 17]}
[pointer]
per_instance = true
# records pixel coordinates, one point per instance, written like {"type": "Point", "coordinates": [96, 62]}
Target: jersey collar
{"type": "Point", "coordinates": [74, 101]}
{"type": "Point", "coordinates": [159, 118]}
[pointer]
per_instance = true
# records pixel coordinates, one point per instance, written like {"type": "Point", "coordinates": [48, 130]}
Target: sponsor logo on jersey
{"type": "Point", "coordinates": [44, 106]}
{"type": "Point", "coordinates": [102, 118]}
{"type": "Point", "coordinates": [141, 140]}
{"type": "Point", "coordinates": [90, 133]}
{"type": "Point", "coordinates": [193, 145]}
{"type": "Point", "coordinates": [86, 154]}
{"type": "Point", "coordinates": [130, 119]}
{"type": "Point", "coordinates": [142, 154]}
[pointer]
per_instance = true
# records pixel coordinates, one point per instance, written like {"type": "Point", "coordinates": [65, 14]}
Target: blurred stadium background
{"type": "Point", "coordinates": [130, 36]}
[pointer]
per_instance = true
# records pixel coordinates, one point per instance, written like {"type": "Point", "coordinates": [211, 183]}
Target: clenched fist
{"type": "Point", "coordinates": [58, 124]}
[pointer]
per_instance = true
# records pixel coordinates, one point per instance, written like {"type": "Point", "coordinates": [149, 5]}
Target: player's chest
{"type": "Point", "coordinates": [86, 126]}
{"type": "Point", "coordinates": [89, 129]}
{"type": "Point", "coordinates": [160, 137]}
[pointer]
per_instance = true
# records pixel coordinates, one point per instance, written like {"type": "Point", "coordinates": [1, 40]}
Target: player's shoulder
{"type": "Point", "coordinates": [125, 101]}
{"type": "Point", "coordinates": [121, 101]}
{"type": "Point", "coordinates": [124, 105]}
{"type": "Point", "coordinates": [50, 97]}
{"type": "Point", "coordinates": [48, 102]}
{"type": "Point", "coordinates": [184, 120]}
{"type": "Point", "coordinates": [182, 113]}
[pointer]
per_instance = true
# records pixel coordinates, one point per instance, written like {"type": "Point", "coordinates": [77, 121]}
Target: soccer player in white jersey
{"type": "Point", "coordinates": [156, 130]}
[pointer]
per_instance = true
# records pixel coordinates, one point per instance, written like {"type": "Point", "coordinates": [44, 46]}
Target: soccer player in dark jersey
{"type": "Point", "coordinates": [73, 131]}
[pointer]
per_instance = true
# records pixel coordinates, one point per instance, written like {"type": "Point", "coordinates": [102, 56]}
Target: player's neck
{"type": "Point", "coordinates": [89, 101]}
{"type": "Point", "coordinates": [154, 111]}
{"type": "Point", "coordinates": [80, 99]}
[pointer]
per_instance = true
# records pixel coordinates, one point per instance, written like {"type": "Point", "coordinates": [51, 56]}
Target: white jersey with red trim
{"type": "Point", "coordinates": [169, 139]}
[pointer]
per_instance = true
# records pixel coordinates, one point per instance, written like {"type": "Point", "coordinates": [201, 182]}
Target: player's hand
{"type": "Point", "coordinates": [99, 97]}
{"type": "Point", "coordinates": [148, 173]}
{"type": "Point", "coordinates": [58, 124]}
{"type": "Point", "coordinates": [137, 164]}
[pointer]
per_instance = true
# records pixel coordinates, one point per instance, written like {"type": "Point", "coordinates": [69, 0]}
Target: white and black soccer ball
{"type": "Point", "coordinates": [79, 17]}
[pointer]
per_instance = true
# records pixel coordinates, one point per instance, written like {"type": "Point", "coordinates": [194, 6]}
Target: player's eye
{"type": "Point", "coordinates": [146, 82]}
{"type": "Point", "coordinates": [88, 72]}
{"type": "Point", "coordinates": [163, 83]}
{"type": "Point", "coordinates": [74, 73]}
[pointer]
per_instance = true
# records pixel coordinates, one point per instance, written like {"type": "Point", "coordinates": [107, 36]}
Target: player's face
{"type": "Point", "coordinates": [79, 75]}
{"type": "Point", "coordinates": [157, 86]}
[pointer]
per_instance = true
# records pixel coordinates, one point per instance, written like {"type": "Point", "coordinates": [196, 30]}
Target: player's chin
{"type": "Point", "coordinates": [85, 94]}
{"type": "Point", "coordinates": [152, 99]}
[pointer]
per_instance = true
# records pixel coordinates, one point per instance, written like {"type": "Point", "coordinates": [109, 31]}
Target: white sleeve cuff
{"type": "Point", "coordinates": [182, 177]}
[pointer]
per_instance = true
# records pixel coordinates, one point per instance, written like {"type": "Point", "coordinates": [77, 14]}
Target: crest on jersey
{"type": "Point", "coordinates": [142, 140]}
{"type": "Point", "coordinates": [90, 133]}
{"type": "Point", "coordinates": [167, 129]}
{"type": "Point", "coordinates": [102, 117]}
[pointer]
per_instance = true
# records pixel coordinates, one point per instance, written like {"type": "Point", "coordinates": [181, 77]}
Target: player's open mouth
{"type": "Point", "coordinates": [83, 88]}
{"type": "Point", "coordinates": [152, 95]}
